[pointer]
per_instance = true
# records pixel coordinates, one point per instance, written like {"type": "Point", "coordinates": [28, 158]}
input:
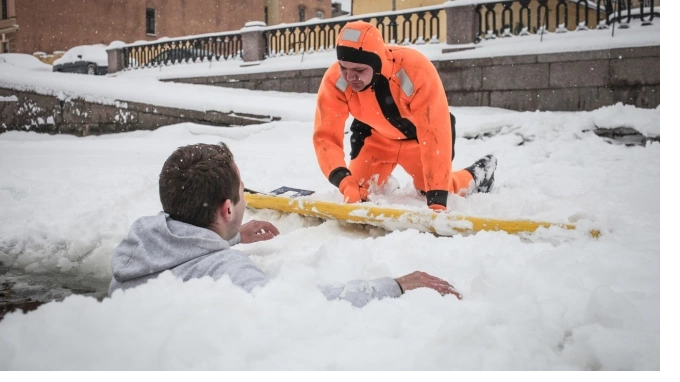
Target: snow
{"type": "Point", "coordinates": [107, 90]}
{"type": "Point", "coordinates": [555, 300]}
{"type": "Point", "coordinates": [560, 300]}
{"type": "Point", "coordinates": [22, 61]}
{"type": "Point", "coordinates": [116, 44]}
{"type": "Point", "coordinates": [92, 53]}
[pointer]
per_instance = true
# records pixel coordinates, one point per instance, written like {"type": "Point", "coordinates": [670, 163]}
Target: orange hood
{"type": "Point", "coordinates": [362, 43]}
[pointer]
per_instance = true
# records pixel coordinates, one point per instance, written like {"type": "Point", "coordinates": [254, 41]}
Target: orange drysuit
{"type": "Point", "coordinates": [401, 118]}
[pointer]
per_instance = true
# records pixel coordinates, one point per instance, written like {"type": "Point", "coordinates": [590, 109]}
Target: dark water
{"type": "Point", "coordinates": [25, 292]}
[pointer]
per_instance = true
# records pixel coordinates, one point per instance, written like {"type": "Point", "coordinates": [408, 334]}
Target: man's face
{"type": "Point", "coordinates": [357, 75]}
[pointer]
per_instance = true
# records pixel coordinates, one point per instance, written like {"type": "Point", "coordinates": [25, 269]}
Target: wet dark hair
{"type": "Point", "coordinates": [196, 180]}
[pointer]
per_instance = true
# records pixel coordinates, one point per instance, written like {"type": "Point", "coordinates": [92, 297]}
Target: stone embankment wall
{"type": "Point", "coordinates": [574, 81]}
{"type": "Point", "coordinates": [28, 111]}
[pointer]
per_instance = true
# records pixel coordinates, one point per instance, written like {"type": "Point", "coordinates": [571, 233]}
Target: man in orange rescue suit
{"type": "Point", "coordinates": [401, 117]}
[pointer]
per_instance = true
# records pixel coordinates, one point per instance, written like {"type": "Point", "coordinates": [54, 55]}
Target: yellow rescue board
{"type": "Point", "coordinates": [396, 219]}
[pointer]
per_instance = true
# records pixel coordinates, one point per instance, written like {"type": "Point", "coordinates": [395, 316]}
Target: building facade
{"type": "Point", "coordinates": [360, 7]}
{"type": "Point", "coordinates": [55, 25]}
{"type": "Point", "coordinates": [8, 25]}
{"type": "Point", "coordinates": [293, 11]}
{"type": "Point", "coordinates": [337, 11]}
{"type": "Point", "coordinates": [29, 26]}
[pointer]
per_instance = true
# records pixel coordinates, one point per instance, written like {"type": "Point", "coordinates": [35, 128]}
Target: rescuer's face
{"type": "Point", "coordinates": [357, 75]}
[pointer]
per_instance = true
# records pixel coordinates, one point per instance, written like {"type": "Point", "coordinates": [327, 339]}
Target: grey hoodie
{"type": "Point", "coordinates": [159, 243]}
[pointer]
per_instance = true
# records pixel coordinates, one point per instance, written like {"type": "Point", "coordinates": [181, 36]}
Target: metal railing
{"type": "Point", "coordinates": [419, 26]}
{"type": "Point", "coordinates": [426, 25]}
{"type": "Point", "coordinates": [623, 11]}
{"type": "Point", "coordinates": [524, 17]}
{"type": "Point", "coordinates": [215, 47]}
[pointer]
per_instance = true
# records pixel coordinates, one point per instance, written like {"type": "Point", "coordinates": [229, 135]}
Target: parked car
{"type": "Point", "coordinates": [174, 55]}
{"type": "Point", "coordinates": [85, 59]}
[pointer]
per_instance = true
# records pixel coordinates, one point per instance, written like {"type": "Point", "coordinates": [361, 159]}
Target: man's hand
{"type": "Point", "coordinates": [352, 191]}
{"type": "Point", "coordinates": [419, 279]}
{"type": "Point", "coordinates": [257, 230]}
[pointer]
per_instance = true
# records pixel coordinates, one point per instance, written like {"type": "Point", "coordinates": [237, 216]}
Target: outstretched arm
{"type": "Point", "coordinates": [360, 292]}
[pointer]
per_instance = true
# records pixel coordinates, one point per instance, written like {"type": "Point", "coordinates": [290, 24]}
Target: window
{"type": "Point", "coordinates": [5, 47]}
{"type": "Point", "coordinates": [150, 21]}
{"type": "Point", "coordinates": [319, 14]}
{"type": "Point", "coordinates": [266, 15]}
{"type": "Point", "coordinates": [4, 10]}
{"type": "Point", "coordinates": [301, 13]}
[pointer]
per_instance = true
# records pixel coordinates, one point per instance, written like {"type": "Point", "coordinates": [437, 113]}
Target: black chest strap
{"type": "Point", "coordinates": [389, 108]}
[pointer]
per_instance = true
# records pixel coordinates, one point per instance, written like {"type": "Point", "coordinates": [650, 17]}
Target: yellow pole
{"type": "Point", "coordinates": [394, 219]}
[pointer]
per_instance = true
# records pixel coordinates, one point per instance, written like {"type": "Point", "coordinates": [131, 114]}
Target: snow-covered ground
{"type": "Point", "coordinates": [560, 300]}
{"type": "Point", "coordinates": [556, 300]}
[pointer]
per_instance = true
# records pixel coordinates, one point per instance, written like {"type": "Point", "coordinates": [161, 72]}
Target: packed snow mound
{"type": "Point", "coordinates": [24, 61]}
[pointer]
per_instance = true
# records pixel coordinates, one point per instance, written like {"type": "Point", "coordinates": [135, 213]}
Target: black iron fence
{"type": "Point", "coordinates": [186, 50]}
{"type": "Point", "coordinates": [426, 25]}
{"type": "Point", "coordinates": [623, 11]}
{"type": "Point", "coordinates": [524, 17]}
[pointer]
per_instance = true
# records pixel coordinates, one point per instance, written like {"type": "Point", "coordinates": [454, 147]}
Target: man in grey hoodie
{"type": "Point", "coordinates": [203, 205]}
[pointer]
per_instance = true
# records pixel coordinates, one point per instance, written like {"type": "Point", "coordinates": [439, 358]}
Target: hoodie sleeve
{"type": "Point", "coordinates": [232, 263]}
{"type": "Point", "coordinates": [329, 122]}
{"type": "Point", "coordinates": [360, 292]}
{"type": "Point", "coordinates": [245, 274]}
